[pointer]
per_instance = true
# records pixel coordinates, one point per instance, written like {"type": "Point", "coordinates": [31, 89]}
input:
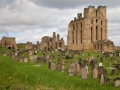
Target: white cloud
{"type": "Point", "coordinates": [28, 21]}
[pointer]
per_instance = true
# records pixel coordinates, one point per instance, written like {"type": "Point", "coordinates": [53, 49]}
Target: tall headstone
{"type": "Point", "coordinates": [101, 81]}
{"type": "Point", "coordinates": [53, 66]}
{"type": "Point", "coordinates": [84, 73]}
{"type": "Point", "coordinates": [31, 59]}
{"type": "Point", "coordinates": [95, 73]}
{"type": "Point", "coordinates": [62, 67]}
{"type": "Point", "coordinates": [78, 71]}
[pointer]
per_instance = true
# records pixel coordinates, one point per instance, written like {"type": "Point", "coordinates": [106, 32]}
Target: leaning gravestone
{"type": "Point", "coordinates": [70, 71]}
{"type": "Point", "coordinates": [95, 73]}
{"type": "Point", "coordinates": [52, 66]}
{"type": "Point", "coordinates": [84, 73]}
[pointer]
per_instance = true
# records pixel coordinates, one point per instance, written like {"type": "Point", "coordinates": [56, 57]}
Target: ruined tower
{"type": "Point", "coordinates": [89, 32]}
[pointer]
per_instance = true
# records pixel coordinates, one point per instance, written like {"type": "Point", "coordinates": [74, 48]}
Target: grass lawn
{"type": "Point", "coordinates": [26, 76]}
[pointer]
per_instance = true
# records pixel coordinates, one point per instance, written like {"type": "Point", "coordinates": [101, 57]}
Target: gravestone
{"type": "Point", "coordinates": [31, 59]}
{"type": "Point", "coordinates": [87, 69]}
{"type": "Point", "coordinates": [52, 66]}
{"type": "Point", "coordinates": [62, 67]}
{"type": "Point", "coordinates": [110, 64]}
{"type": "Point", "coordinates": [84, 73]}
{"type": "Point", "coordinates": [113, 71]}
{"type": "Point", "coordinates": [95, 73]}
{"type": "Point", "coordinates": [115, 61]}
{"type": "Point", "coordinates": [25, 59]}
{"type": "Point", "coordinates": [21, 59]}
{"type": "Point", "coordinates": [30, 52]}
{"type": "Point", "coordinates": [47, 57]}
{"type": "Point", "coordinates": [70, 71]}
{"type": "Point", "coordinates": [35, 58]}
{"type": "Point", "coordinates": [117, 83]}
{"type": "Point", "coordinates": [78, 71]}
{"type": "Point", "coordinates": [58, 66]}
{"type": "Point", "coordinates": [4, 54]}
{"type": "Point", "coordinates": [13, 56]}
{"type": "Point", "coordinates": [101, 81]}
{"type": "Point", "coordinates": [73, 66]}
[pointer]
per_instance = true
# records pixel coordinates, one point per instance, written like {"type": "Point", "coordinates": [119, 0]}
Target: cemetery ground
{"type": "Point", "coordinates": [16, 75]}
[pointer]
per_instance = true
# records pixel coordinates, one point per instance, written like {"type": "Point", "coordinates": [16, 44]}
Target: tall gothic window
{"type": "Point", "coordinates": [81, 24]}
{"type": "Point", "coordinates": [76, 37]}
{"type": "Point", "coordinates": [73, 36]}
{"type": "Point", "coordinates": [101, 22]}
{"type": "Point", "coordinates": [101, 33]}
{"type": "Point", "coordinates": [96, 20]}
{"type": "Point", "coordinates": [81, 36]}
{"type": "Point", "coordinates": [91, 35]}
{"type": "Point", "coordinates": [96, 33]}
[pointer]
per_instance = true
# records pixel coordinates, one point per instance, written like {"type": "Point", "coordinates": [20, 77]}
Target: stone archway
{"type": "Point", "coordinates": [9, 48]}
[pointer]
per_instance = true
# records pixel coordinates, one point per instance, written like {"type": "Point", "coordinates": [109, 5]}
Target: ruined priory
{"type": "Point", "coordinates": [88, 33]}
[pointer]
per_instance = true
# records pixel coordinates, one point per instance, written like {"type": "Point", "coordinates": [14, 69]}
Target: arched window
{"type": "Point", "coordinates": [101, 22]}
{"type": "Point", "coordinates": [91, 35]}
{"type": "Point", "coordinates": [81, 24]}
{"type": "Point", "coordinates": [101, 33]}
{"type": "Point", "coordinates": [81, 36]}
{"type": "Point", "coordinates": [96, 33]}
{"type": "Point", "coordinates": [96, 20]}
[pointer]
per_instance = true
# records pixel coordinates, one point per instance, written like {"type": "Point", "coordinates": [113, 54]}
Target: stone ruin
{"type": "Point", "coordinates": [28, 46]}
{"type": "Point", "coordinates": [51, 43]}
{"type": "Point", "coordinates": [89, 33]}
{"type": "Point", "coordinates": [9, 42]}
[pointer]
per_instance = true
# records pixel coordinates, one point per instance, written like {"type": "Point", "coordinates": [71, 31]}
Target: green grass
{"type": "Point", "coordinates": [15, 75]}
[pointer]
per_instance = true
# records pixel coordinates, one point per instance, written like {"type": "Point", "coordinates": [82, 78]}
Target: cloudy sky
{"type": "Point", "coordinates": [29, 20]}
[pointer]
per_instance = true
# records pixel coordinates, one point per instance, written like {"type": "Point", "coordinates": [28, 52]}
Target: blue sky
{"type": "Point", "coordinates": [30, 20]}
